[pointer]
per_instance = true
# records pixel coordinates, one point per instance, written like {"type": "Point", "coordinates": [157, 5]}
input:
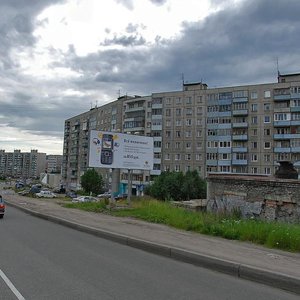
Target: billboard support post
{"type": "Point", "coordinates": [129, 187]}
{"type": "Point", "coordinates": [114, 187]}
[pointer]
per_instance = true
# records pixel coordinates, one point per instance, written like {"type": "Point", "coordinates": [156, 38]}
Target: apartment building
{"type": "Point", "coordinates": [237, 129]}
{"type": "Point", "coordinates": [53, 163]}
{"type": "Point", "coordinates": [22, 165]}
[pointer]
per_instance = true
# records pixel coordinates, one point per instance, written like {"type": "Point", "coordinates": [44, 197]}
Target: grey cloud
{"type": "Point", "coordinates": [127, 3]}
{"type": "Point", "coordinates": [158, 2]}
{"type": "Point", "coordinates": [125, 41]}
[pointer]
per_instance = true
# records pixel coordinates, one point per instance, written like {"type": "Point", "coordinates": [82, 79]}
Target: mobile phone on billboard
{"type": "Point", "coordinates": [107, 149]}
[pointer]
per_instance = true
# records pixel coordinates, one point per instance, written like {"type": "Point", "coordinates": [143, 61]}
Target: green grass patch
{"type": "Point", "coordinates": [274, 235]}
{"type": "Point", "coordinates": [88, 206]}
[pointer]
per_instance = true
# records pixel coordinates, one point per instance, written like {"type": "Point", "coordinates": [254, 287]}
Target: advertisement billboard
{"type": "Point", "coordinates": [119, 150]}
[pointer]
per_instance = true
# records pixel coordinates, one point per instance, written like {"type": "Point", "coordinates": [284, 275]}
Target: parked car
{"type": "Point", "coordinates": [121, 196]}
{"type": "Point", "coordinates": [71, 194]}
{"type": "Point", "coordinates": [35, 189]}
{"type": "Point", "coordinates": [46, 194]}
{"type": "Point", "coordinates": [84, 199]}
{"type": "Point", "coordinates": [2, 207]}
{"type": "Point", "coordinates": [24, 192]}
{"type": "Point", "coordinates": [105, 195]}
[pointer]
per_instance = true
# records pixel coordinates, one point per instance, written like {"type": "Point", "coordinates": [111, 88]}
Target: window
{"type": "Point", "coordinates": [199, 145]}
{"type": "Point", "coordinates": [267, 145]}
{"type": "Point", "coordinates": [177, 168]}
{"type": "Point", "coordinates": [254, 170]}
{"type": "Point", "coordinates": [254, 132]}
{"type": "Point", "coordinates": [178, 100]}
{"type": "Point", "coordinates": [268, 171]}
{"type": "Point", "coordinates": [254, 145]}
{"type": "Point", "coordinates": [254, 120]}
{"type": "Point", "coordinates": [253, 95]}
{"type": "Point", "coordinates": [177, 145]}
{"type": "Point", "coordinates": [188, 133]}
{"type": "Point", "coordinates": [189, 111]}
{"type": "Point", "coordinates": [199, 133]}
{"type": "Point", "coordinates": [178, 111]}
{"type": "Point", "coordinates": [199, 110]}
{"type": "Point", "coordinates": [267, 131]}
{"type": "Point", "coordinates": [167, 156]}
{"type": "Point", "coordinates": [167, 145]}
{"type": "Point", "coordinates": [267, 94]}
{"type": "Point", "coordinates": [267, 119]}
{"type": "Point", "coordinates": [188, 100]}
{"type": "Point", "coordinates": [267, 157]}
{"type": "Point", "coordinates": [198, 157]}
{"type": "Point", "coordinates": [254, 107]}
{"type": "Point", "coordinates": [188, 156]}
{"type": "Point", "coordinates": [178, 134]}
{"type": "Point", "coordinates": [254, 157]}
{"type": "Point", "coordinates": [168, 123]}
{"type": "Point", "coordinates": [188, 145]}
{"type": "Point", "coordinates": [168, 112]}
{"type": "Point", "coordinates": [267, 106]}
{"type": "Point", "coordinates": [188, 122]}
{"type": "Point", "coordinates": [178, 122]}
{"type": "Point", "coordinates": [177, 156]}
{"type": "Point", "coordinates": [168, 133]}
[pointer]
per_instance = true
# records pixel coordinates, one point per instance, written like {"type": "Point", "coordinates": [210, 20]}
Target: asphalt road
{"type": "Point", "coordinates": [42, 260]}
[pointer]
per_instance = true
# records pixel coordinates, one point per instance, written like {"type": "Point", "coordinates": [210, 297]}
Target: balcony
{"type": "Point", "coordinates": [157, 105]}
{"type": "Point", "coordinates": [224, 163]}
{"type": "Point", "coordinates": [240, 100]}
{"type": "Point", "coordinates": [295, 149]}
{"type": "Point", "coordinates": [282, 150]}
{"type": "Point", "coordinates": [156, 127]}
{"type": "Point", "coordinates": [295, 108]}
{"type": "Point", "coordinates": [286, 136]}
{"type": "Point", "coordinates": [295, 122]}
{"type": "Point", "coordinates": [240, 137]}
{"type": "Point", "coordinates": [282, 123]}
{"type": "Point", "coordinates": [283, 97]}
{"type": "Point", "coordinates": [224, 150]}
{"type": "Point", "coordinates": [240, 149]}
{"type": "Point", "coordinates": [239, 162]}
{"type": "Point", "coordinates": [136, 108]}
{"type": "Point", "coordinates": [155, 172]}
{"type": "Point", "coordinates": [240, 125]}
{"type": "Point", "coordinates": [240, 112]}
{"type": "Point", "coordinates": [212, 162]}
{"type": "Point", "coordinates": [295, 96]}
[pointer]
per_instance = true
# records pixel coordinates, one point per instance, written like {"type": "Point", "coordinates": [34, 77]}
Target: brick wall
{"type": "Point", "coordinates": [261, 197]}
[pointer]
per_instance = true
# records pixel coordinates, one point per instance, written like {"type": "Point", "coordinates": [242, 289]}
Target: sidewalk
{"type": "Point", "coordinates": [245, 260]}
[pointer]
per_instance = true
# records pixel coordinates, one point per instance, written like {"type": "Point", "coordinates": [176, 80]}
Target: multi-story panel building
{"type": "Point", "coordinates": [22, 165]}
{"type": "Point", "coordinates": [54, 163]}
{"type": "Point", "coordinates": [239, 129]}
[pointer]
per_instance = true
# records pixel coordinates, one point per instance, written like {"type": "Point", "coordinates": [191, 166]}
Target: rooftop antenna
{"type": "Point", "coordinates": [182, 78]}
{"type": "Point", "coordinates": [96, 103]}
{"type": "Point", "coordinates": [119, 93]}
{"type": "Point", "coordinates": [277, 64]}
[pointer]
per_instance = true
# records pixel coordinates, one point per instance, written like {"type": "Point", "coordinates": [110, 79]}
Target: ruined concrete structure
{"type": "Point", "coordinates": [260, 197]}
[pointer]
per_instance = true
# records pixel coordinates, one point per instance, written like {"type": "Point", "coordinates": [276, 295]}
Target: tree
{"type": "Point", "coordinates": [91, 181]}
{"type": "Point", "coordinates": [178, 186]}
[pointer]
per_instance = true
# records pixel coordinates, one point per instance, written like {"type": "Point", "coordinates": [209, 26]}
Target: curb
{"type": "Point", "coordinates": [247, 272]}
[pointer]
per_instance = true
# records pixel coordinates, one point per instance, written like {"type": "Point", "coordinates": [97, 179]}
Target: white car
{"type": "Point", "coordinates": [105, 195]}
{"type": "Point", "coordinates": [84, 199]}
{"type": "Point", "coordinates": [45, 194]}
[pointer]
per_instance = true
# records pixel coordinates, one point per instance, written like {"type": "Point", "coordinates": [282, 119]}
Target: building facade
{"type": "Point", "coordinates": [53, 163]}
{"type": "Point", "coordinates": [238, 129]}
{"type": "Point", "coordinates": [22, 165]}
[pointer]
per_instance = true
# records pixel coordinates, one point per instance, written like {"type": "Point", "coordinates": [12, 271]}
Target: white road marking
{"type": "Point", "coordinates": [11, 286]}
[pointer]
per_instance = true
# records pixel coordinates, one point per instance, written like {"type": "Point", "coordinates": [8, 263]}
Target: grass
{"type": "Point", "coordinates": [274, 235]}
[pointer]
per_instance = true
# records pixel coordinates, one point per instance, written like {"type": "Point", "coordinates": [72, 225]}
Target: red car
{"type": "Point", "coordinates": [2, 207]}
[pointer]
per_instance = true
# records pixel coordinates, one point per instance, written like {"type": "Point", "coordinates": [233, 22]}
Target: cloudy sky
{"type": "Point", "coordinates": [58, 58]}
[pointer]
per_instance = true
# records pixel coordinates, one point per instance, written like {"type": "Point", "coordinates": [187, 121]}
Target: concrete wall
{"type": "Point", "coordinates": [261, 197]}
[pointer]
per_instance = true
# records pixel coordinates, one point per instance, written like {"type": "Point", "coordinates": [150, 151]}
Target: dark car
{"type": "Point", "coordinates": [71, 194]}
{"type": "Point", "coordinates": [2, 207]}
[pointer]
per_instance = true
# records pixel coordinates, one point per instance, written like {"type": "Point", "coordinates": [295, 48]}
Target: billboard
{"type": "Point", "coordinates": [119, 150]}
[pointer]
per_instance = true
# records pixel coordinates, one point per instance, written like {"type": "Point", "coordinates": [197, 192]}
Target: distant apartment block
{"type": "Point", "coordinates": [22, 165]}
{"type": "Point", "coordinates": [54, 163]}
{"type": "Point", "coordinates": [237, 129]}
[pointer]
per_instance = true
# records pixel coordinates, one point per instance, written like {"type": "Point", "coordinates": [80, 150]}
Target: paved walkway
{"type": "Point", "coordinates": [242, 259]}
